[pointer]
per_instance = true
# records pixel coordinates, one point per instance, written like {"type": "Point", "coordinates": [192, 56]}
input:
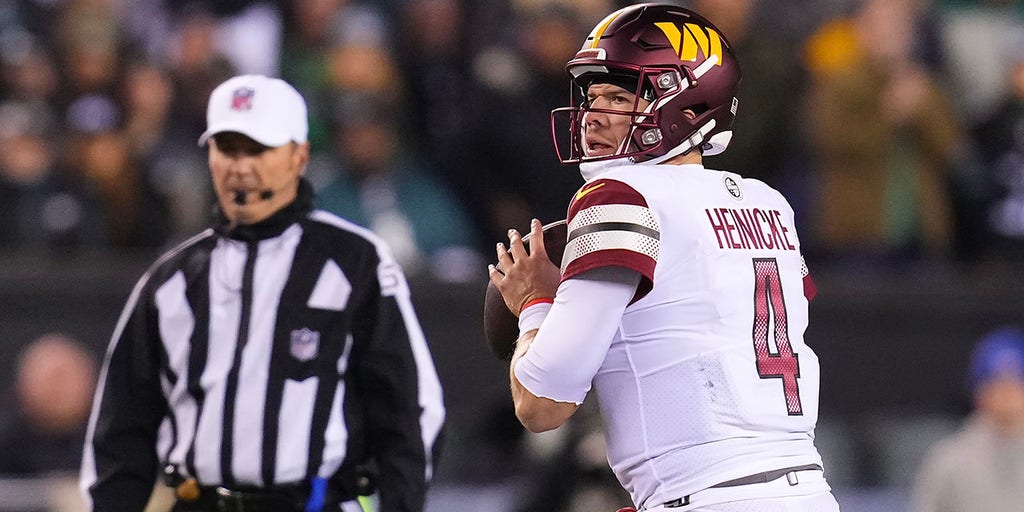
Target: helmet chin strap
{"type": "Point", "coordinates": [700, 136]}
{"type": "Point", "coordinates": [694, 141]}
{"type": "Point", "coordinates": [717, 143]}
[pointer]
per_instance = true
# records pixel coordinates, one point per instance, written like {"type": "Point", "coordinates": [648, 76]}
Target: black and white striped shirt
{"type": "Point", "coordinates": [267, 355]}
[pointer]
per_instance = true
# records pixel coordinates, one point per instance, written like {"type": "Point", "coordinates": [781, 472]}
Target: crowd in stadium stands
{"type": "Point", "coordinates": [54, 382]}
{"type": "Point", "coordinates": [894, 126]}
{"type": "Point", "coordinates": [43, 422]}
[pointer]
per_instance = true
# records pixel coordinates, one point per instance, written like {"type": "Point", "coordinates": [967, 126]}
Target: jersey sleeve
{"type": "Point", "coordinates": [403, 400]}
{"type": "Point", "coordinates": [119, 462]}
{"type": "Point", "coordinates": [611, 225]}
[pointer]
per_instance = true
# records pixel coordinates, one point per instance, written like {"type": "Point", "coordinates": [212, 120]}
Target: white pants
{"type": "Point", "coordinates": [810, 493]}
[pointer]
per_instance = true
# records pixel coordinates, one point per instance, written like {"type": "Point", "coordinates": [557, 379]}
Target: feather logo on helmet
{"type": "Point", "coordinates": [686, 42]}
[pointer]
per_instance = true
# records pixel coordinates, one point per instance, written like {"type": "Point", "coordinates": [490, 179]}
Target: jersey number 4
{"type": "Point", "coordinates": [769, 310]}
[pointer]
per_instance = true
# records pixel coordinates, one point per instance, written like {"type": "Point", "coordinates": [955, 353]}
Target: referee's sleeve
{"type": "Point", "coordinates": [119, 462]}
{"type": "Point", "coordinates": [404, 403]}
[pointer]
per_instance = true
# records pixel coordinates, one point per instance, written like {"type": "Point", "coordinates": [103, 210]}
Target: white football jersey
{"type": "Point", "coordinates": [708, 378]}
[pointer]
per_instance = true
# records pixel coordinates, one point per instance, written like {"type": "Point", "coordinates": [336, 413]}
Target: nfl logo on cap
{"type": "Point", "coordinates": [242, 99]}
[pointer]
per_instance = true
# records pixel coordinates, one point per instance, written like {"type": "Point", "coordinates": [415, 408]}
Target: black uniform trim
{"type": "Point", "coordinates": [198, 297]}
{"type": "Point", "coordinates": [227, 446]}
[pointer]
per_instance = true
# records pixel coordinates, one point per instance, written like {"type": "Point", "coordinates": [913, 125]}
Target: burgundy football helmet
{"type": "Point", "coordinates": [677, 60]}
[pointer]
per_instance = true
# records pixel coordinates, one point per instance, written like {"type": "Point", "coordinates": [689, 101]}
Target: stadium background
{"type": "Point", "coordinates": [458, 99]}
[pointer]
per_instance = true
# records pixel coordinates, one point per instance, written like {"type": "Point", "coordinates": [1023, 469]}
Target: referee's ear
{"type": "Point", "coordinates": [300, 157]}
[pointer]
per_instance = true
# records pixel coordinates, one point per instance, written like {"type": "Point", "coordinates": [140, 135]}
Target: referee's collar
{"type": "Point", "coordinates": [273, 225]}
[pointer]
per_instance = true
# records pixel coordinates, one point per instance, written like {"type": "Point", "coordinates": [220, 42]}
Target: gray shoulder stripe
{"type": "Point", "coordinates": [614, 226]}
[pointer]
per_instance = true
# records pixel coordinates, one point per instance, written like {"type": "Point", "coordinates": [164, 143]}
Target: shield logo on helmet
{"type": "Point", "coordinates": [305, 344]}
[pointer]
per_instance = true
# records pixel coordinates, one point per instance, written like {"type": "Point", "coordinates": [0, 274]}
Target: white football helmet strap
{"type": "Point", "coordinates": [695, 140]}
{"type": "Point", "coordinates": [717, 143]}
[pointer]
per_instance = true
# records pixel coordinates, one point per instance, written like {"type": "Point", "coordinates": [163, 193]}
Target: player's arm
{"type": "Point", "coordinates": [537, 414]}
{"type": "Point", "coordinates": [119, 463]}
{"type": "Point", "coordinates": [611, 253]}
{"type": "Point", "coordinates": [553, 365]}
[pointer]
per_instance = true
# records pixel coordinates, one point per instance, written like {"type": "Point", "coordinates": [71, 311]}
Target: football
{"type": "Point", "coordinates": [501, 327]}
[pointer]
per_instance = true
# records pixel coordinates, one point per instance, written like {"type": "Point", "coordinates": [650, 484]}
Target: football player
{"type": "Point", "coordinates": [682, 296]}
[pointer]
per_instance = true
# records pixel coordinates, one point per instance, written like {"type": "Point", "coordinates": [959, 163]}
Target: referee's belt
{"type": "Point", "coordinates": [757, 478]}
{"type": "Point", "coordinates": [281, 498]}
{"type": "Point", "coordinates": [192, 495]}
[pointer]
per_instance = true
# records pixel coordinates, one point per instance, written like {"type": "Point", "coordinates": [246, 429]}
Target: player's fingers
{"type": "Point", "coordinates": [515, 245]}
{"type": "Point", "coordinates": [537, 240]}
{"type": "Point", "coordinates": [504, 258]}
{"type": "Point", "coordinates": [494, 274]}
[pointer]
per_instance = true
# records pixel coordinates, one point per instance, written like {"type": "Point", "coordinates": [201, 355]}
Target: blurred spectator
{"type": "Point", "coordinates": [27, 69]}
{"type": "Point", "coordinates": [55, 377]}
{"type": "Point", "coordinates": [162, 151]}
{"type": "Point", "coordinates": [247, 32]}
{"type": "Point", "coordinates": [314, 30]}
{"type": "Point", "coordinates": [1000, 144]}
{"type": "Point", "coordinates": [147, 91]}
{"type": "Point", "coordinates": [146, 27]}
{"type": "Point", "coordinates": [764, 145]}
{"type": "Point", "coordinates": [435, 56]}
{"type": "Point", "coordinates": [981, 467]}
{"type": "Point", "coordinates": [976, 38]}
{"type": "Point", "coordinates": [361, 61]}
{"type": "Point", "coordinates": [517, 175]}
{"type": "Point", "coordinates": [40, 208]}
{"type": "Point", "coordinates": [100, 154]}
{"type": "Point", "coordinates": [89, 41]}
{"type": "Point", "coordinates": [887, 147]}
{"type": "Point", "coordinates": [308, 37]}
{"type": "Point", "coordinates": [884, 137]}
{"type": "Point", "coordinates": [196, 65]}
{"type": "Point", "coordinates": [381, 185]}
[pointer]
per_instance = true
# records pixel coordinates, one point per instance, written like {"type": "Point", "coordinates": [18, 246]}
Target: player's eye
{"type": "Point", "coordinates": [239, 148]}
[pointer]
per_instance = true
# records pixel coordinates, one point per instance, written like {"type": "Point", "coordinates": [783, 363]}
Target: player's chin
{"type": "Point", "coordinates": [599, 150]}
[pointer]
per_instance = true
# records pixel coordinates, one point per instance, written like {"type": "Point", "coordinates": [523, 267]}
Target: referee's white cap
{"type": "Point", "coordinates": [268, 110]}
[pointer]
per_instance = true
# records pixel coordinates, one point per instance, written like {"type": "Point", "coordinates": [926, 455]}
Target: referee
{"type": "Point", "coordinates": [274, 361]}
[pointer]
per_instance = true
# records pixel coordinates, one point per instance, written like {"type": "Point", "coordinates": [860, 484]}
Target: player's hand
{"type": "Point", "coordinates": [526, 274]}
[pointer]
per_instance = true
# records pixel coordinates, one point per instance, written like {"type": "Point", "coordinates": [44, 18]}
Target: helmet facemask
{"type": "Point", "coordinates": [656, 86]}
{"type": "Point", "coordinates": [569, 124]}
